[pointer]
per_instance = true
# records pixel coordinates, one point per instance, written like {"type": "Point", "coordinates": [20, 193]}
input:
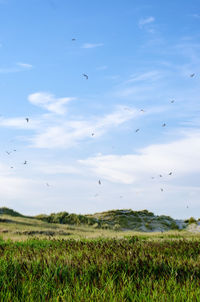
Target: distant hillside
{"type": "Point", "coordinates": [118, 220]}
{"type": "Point", "coordinates": [7, 211]}
{"type": "Point", "coordinates": [122, 220]}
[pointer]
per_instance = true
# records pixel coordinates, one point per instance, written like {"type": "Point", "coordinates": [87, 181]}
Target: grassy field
{"type": "Point", "coordinates": [42, 261]}
{"type": "Point", "coordinates": [130, 269]}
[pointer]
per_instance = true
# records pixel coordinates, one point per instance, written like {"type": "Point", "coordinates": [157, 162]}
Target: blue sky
{"type": "Point", "coordinates": [139, 57]}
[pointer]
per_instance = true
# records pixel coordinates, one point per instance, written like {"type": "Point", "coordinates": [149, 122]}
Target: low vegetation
{"type": "Point", "coordinates": [68, 260]}
{"type": "Point", "coordinates": [117, 220]}
{"type": "Point", "coordinates": [129, 269]}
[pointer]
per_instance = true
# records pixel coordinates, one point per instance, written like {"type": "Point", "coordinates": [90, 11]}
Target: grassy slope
{"type": "Point", "coordinates": [116, 220]}
{"type": "Point", "coordinates": [21, 228]}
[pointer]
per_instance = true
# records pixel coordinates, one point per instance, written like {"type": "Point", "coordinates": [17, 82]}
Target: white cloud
{"type": "Point", "coordinates": [153, 75]}
{"type": "Point", "coordinates": [145, 21]}
{"type": "Point", "coordinates": [91, 45]}
{"type": "Point", "coordinates": [20, 67]}
{"type": "Point", "coordinates": [49, 101]}
{"type": "Point", "coordinates": [55, 169]}
{"type": "Point", "coordinates": [20, 123]}
{"type": "Point", "coordinates": [181, 156]}
{"type": "Point", "coordinates": [67, 134]}
{"type": "Point", "coordinates": [25, 65]}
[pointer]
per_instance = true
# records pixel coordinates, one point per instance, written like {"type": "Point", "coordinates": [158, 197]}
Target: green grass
{"type": "Point", "coordinates": [41, 261]}
{"type": "Point", "coordinates": [130, 269]}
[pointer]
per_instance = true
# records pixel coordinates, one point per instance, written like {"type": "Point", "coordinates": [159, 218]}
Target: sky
{"type": "Point", "coordinates": [133, 124]}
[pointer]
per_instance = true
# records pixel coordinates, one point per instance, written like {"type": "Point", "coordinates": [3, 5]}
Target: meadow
{"type": "Point", "coordinates": [135, 268]}
{"type": "Point", "coordinates": [42, 261]}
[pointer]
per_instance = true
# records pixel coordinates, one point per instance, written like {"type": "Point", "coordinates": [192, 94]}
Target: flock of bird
{"type": "Point", "coordinates": [137, 130]}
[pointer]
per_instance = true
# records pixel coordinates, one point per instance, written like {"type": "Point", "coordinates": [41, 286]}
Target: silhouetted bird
{"type": "Point", "coordinates": [25, 162]}
{"type": "Point", "coordinates": [172, 101]}
{"type": "Point", "coordinates": [161, 189]}
{"type": "Point", "coordinates": [137, 130]}
{"type": "Point", "coordinates": [170, 173]}
{"type": "Point", "coordinates": [163, 125]}
{"type": "Point", "coordinates": [142, 110]}
{"type": "Point", "coordinates": [92, 134]}
{"type": "Point", "coordinates": [192, 75]}
{"type": "Point", "coordinates": [73, 39]}
{"type": "Point", "coordinates": [85, 75]}
{"type": "Point", "coordinates": [27, 119]}
{"type": "Point", "coordinates": [8, 152]}
{"type": "Point", "coordinates": [160, 175]}
{"type": "Point", "coordinates": [99, 182]}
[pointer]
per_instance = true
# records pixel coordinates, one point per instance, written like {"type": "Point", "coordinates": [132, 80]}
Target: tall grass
{"type": "Point", "coordinates": [100, 270]}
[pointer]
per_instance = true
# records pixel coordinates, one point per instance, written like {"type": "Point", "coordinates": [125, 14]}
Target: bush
{"type": "Point", "coordinates": [191, 220]}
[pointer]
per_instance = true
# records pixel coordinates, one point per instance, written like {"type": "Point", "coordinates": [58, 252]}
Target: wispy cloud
{"type": "Point", "coordinates": [181, 156]}
{"type": "Point", "coordinates": [24, 65]}
{"type": "Point", "coordinates": [91, 45]}
{"type": "Point", "coordinates": [55, 169]}
{"type": "Point", "coordinates": [54, 132]}
{"type": "Point", "coordinates": [19, 123]}
{"type": "Point", "coordinates": [17, 68]}
{"type": "Point", "coordinates": [145, 21]}
{"type": "Point", "coordinates": [64, 134]}
{"type": "Point", "coordinates": [153, 75]}
{"type": "Point", "coordinates": [50, 102]}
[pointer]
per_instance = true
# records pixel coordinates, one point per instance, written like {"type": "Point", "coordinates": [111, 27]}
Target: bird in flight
{"type": "Point", "coordinates": [8, 152]}
{"type": "Point", "coordinates": [47, 184]}
{"type": "Point", "coordinates": [99, 182]}
{"type": "Point", "coordinates": [92, 134]}
{"type": "Point", "coordinates": [11, 167]}
{"type": "Point", "coordinates": [170, 173]}
{"type": "Point", "coordinates": [27, 119]}
{"type": "Point", "coordinates": [163, 125]}
{"type": "Point", "coordinates": [142, 110]}
{"type": "Point", "coordinates": [25, 162]}
{"type": "Point", "coordinates": [73, 39]}
{"type": "Point", "coordinates": [160, 175]}
{"type": "Point", "coordinates": [137, 130]}
{"type": "Point", "coordinates": [85, 75]}
{"type": "Point", "coordinates": [161, 189]}
{"type": "Point", "coordinates": [172, 101]}
{"type": "Point", "coordinates": [192, 75]}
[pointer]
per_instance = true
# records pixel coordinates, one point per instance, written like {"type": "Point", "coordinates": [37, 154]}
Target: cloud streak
{"type": "Point", "coordinates": [145, 21]}
{"type": "Point", "coordinates": [49, 102]}
{"type": "Point", "coordinates": [24, 65]}
{"type": "Point", "coordinates": [91, 45]}
{"type": "Point", "coordinates": [68, 134]}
